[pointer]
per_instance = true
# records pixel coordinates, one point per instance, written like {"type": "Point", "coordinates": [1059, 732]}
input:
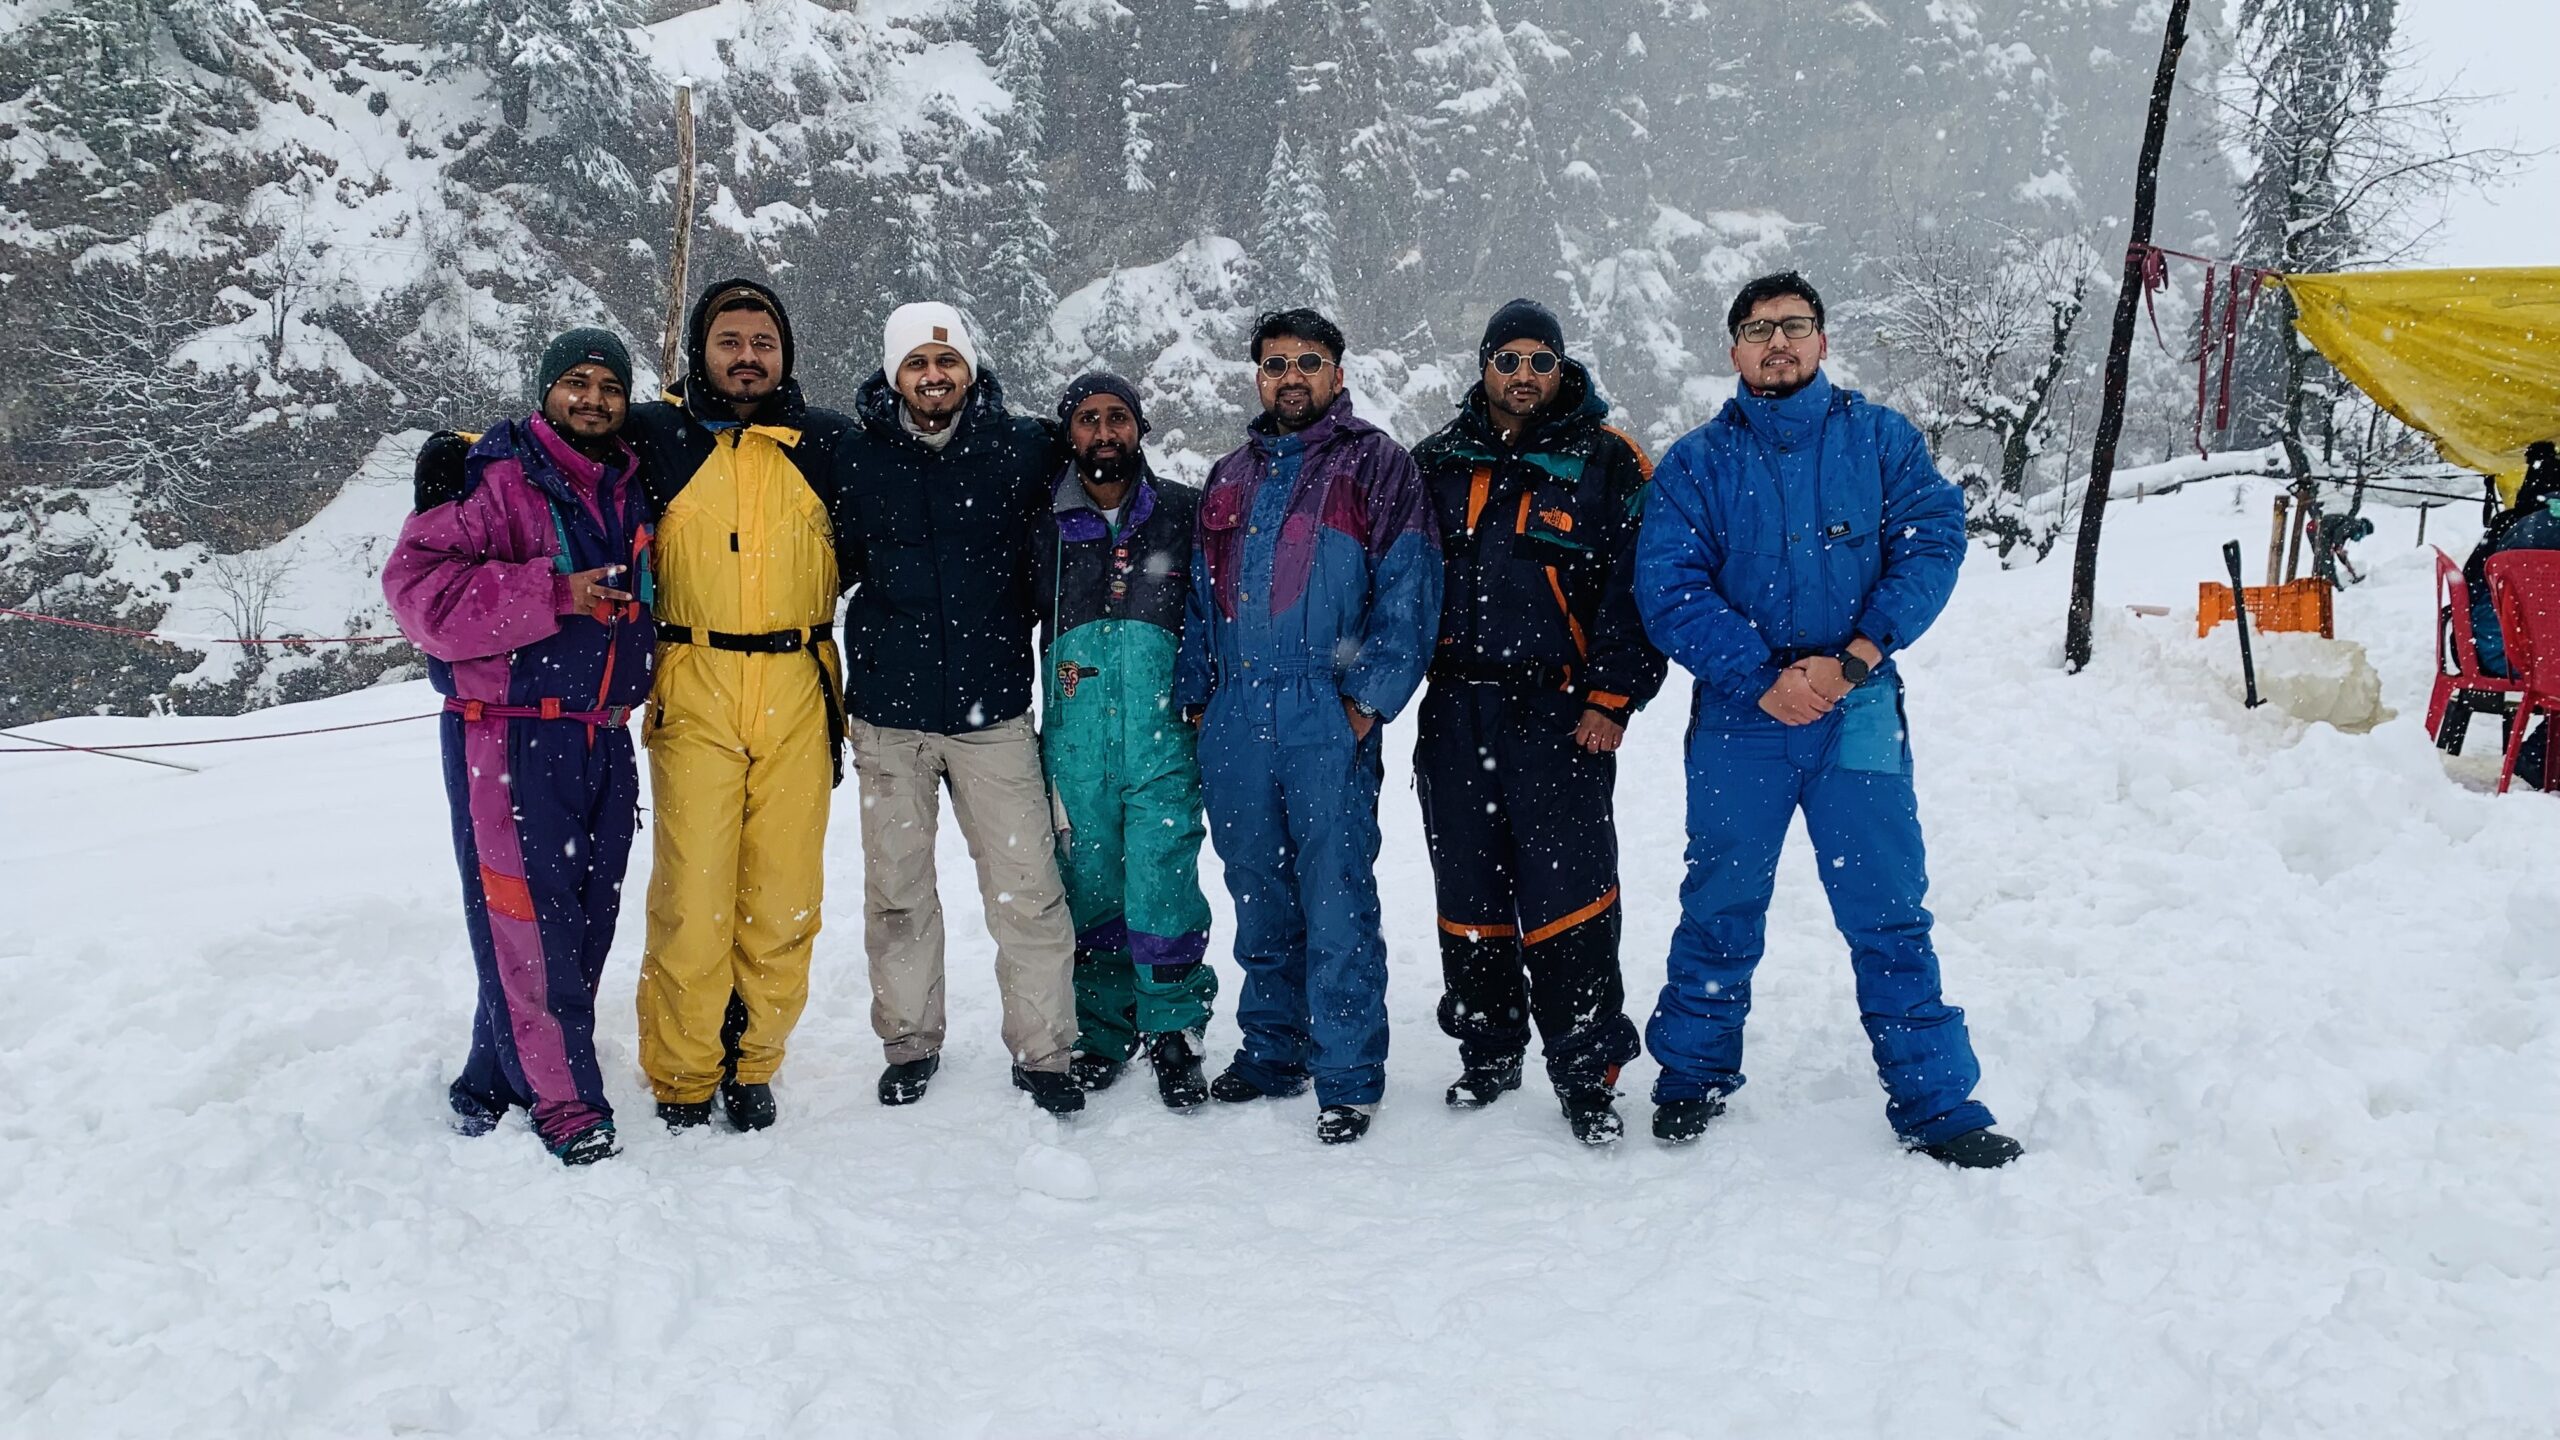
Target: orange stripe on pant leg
{"type": "Point", "coordinates": [1591, 911]}
{"type": "Point", "coordinates": [1476, 932]}
{"type": "Point", "coordinates": [508, 895]}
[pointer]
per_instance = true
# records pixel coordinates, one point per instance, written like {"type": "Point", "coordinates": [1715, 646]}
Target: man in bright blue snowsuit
{"type": "Point", "coordinates": [1791, 546]}
{"type": "Point", "coordinates": [1315, 595]}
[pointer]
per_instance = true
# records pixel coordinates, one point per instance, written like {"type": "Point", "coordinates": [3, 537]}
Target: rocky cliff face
{"type": "Point", "coordinates": [242, 244]}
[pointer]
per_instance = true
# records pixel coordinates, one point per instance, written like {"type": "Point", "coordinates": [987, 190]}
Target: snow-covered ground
{"type": "Point", "coordinates": [2273, 1007]}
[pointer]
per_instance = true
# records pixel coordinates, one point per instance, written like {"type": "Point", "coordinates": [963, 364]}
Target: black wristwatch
{"type": "Point", "coordinates": [1854, 670]}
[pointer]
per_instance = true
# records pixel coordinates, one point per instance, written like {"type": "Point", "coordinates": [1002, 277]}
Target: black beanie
{"type": "Point", "coordinates": [585, 345]}
{"type": "Point", "coordinates": [1520, 320]}
{"type": "Point", "coordinates": [1101, 382]}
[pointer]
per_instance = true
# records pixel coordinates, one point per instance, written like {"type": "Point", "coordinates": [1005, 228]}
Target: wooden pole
{"type": "Point", "coordinates": [2303, 519]}
{"type": "Point", "coordinates": [671, 334]}
{"type": "Point", "coordinates": [2102, 456]}
{"type": "Point", "coordinates": [2422, 524]}
{"type": "Point", "coordinates": [2275, 537]}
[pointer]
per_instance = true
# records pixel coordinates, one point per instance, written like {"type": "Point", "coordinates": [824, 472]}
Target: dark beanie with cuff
{"type": "Point", "coordinates": [585, 345]}
{"type": "Point", "coordinates": [1520, 320]}
{"type": "Point", "coordinates": [1102, 382]}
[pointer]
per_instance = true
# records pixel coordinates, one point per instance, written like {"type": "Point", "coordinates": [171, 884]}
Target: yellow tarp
{"type": "Point", "coordinates": [2471, 357]}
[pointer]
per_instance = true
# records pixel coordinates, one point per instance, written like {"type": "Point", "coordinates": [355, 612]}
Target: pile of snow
{"type": "Point", "coordinates": [2272, 1006]}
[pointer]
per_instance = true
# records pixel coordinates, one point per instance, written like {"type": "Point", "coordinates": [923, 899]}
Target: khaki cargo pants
{"type": "Point", "coordinates": [1002, 801]}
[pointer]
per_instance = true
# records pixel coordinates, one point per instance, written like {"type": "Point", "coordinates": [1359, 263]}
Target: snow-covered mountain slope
{"type": "Point", "coordinates": [2272, 1006]}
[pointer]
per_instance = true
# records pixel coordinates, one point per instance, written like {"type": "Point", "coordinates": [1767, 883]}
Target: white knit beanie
{"type": "Point", "coordinates": [927, 322]}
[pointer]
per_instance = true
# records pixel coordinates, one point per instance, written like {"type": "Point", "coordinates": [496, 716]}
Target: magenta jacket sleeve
{"type": "Point", "coordinates": [469, 580]}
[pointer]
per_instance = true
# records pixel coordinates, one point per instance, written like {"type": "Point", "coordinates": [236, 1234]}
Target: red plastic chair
{"type": "Point", "coordinates": [2524, 585]}
{"type": "Point", "coordinates": [2461, 689]}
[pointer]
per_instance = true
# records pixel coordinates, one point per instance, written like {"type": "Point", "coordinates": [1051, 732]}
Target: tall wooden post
{"type": "Point", "coordinates": [671, 335]}
{"type": "Point", "coordinates": [2102, 457]}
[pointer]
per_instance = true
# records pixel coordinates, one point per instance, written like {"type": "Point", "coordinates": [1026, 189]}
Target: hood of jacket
{"type": "Point", "coordinates": [697, 330]}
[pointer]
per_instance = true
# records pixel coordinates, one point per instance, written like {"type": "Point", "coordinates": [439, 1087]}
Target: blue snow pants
{"type": "Point", "coordinates": [1293, 807]}
{"type": "Point", "coordinates": [1850, 773]}
{"type": "Point", "coordinates": [543, 815]}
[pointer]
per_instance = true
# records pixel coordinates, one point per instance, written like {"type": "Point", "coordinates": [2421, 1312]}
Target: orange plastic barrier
{"type": "Point", "coordinates": [2300, 605]}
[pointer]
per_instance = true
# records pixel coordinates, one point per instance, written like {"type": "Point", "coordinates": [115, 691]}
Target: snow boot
{"type": "Point", "coordinates": [473, 1114]}
{"type": "Point", "coordinates": [685, 1114]}
{"type": "Point", "coordinates": [1342, 1124]}
{"type": "Point", "coordinates": [1055, 1091]}
{"type": "Point", "coordinates": [1677, 1122]}
{"type": "Point", "coordinates": [750, 1107]}
{"type": "Point", "coordinates": [1233, 1087]}
{"type": "Point", "coordinates": [587, 1146]}
{"type": "Point", "coordinates": [1983, 1149]}
{"type": "Point", "coordinates": [1484, 1082]}
{"type": "Point", "coordinates": [1094, 1072]}
{"type": "Point", "coordinates": [1592, 1112]}
{"type": "Point", "coordinates": [904, 1082]}
{"type": "Point", "coordinates": [1175, 1054]}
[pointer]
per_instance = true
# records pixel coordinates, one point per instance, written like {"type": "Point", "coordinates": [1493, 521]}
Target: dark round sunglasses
{"type": "Point", "coordinates": [1541, 362]}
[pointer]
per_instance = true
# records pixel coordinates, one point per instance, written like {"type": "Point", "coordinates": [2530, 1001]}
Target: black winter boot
{"type": "Point", "coordinates": [1593, 1113]}
{"type": "Point", "coordinates": [1484, 1082]}
{"type": "Point", "coordinates": [1055, 1091]}
{"type": "Point", "coordinates": [1233, 1087]}
{"type": "Point", "coordinates": [1175, 1054]}
{"type": "Point", "coordinates": [1094, 1072]}
{"type": "Point", "coordinates": [750, 1107]}
{"type": "Point", "coordinates": [685, 1114]}
{"type": "Point", "coordinates": [1342, 1124]}
{"type": "Point", "coordinates": [1677, 1122]}
{"type": "Point", "coordinates": [904, 1082]}
{"type": "Point", "coordinates": [587, 1146]}
{"type": "Point", "coordinates": [1983, 1149]}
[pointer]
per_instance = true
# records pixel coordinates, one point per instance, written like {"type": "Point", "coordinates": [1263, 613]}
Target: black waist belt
{"type": "Point", "coordinates": [771, 642]}
{"type": "Point", "coordinates": [779, 642]}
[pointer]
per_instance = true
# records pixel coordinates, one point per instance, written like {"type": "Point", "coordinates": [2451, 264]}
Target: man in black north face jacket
{"type": "Point", "coordinates": [1541, 661]}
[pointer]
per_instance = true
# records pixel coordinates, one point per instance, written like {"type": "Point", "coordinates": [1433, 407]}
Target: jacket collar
{"type": "Point", "coordinates": [877, 405]}
{"type": "Point", "coordinates": [1080, 520]}
{"type": "Point", "coordinates": [1337, 422]}
{"type": "Point", "coordinates": [788, 410]}
{"type": "Point", "coordinates": [1789, 422]}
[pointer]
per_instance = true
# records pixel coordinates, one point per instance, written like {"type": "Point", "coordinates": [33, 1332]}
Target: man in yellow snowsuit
{"type": "Point", "coordinates": [745, 731]}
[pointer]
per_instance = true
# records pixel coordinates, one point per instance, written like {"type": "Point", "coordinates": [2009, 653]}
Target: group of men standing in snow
{"type": "Point", "coordinates": [1233, 654]}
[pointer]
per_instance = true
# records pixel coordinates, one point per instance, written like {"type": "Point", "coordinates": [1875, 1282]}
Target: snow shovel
{"type": "Point", "coordinates": [2240, 617]}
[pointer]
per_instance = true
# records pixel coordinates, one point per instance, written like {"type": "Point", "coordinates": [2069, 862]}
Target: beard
{"type": "Point", "coordinates": [1111, 469]}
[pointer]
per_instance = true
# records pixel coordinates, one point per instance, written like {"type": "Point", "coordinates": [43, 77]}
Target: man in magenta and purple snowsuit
{"type": "Point", "coordinates": [528, 591]}
{"type": "Point", "coordinates": [1315, 594]}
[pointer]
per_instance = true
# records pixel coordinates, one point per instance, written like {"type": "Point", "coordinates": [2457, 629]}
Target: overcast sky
{"type": "Point", "coordinates": [2511, 47]}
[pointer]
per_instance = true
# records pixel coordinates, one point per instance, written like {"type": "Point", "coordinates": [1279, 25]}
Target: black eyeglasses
{"type": "Point", "coordinates": [1309, 363]}
{"type": "Point", "coordinates": [1540, 362]}
{"type": "Point", "coordinates": [1757, 332]}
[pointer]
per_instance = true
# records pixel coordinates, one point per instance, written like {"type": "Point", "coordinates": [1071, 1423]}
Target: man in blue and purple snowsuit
{"type": "Point", "coordinates": [1790, 546]}
{"type": "Point", "coordinates": [528, 590]}
{"type": "Point", "coordinates": [1315, 595]}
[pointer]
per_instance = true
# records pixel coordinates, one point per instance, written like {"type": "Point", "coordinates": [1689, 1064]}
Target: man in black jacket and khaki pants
{"type": "Point", "coordinates": [938, 498]}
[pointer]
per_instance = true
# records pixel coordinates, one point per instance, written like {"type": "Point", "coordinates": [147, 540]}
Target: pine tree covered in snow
{"type": "Point", "coordinates": [569, 83]}
{"type": "Point", "coordinates": [1016, 296]}
{"type": "Point", "coordinates": [1293, 235]}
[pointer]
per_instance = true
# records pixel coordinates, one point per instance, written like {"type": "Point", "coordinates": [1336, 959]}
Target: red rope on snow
{"type": "Point", "coordinates": [166, 638]}
{"type": "Point", "coordinates": [56, 749]}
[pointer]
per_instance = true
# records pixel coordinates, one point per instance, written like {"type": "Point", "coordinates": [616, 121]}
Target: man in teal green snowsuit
{"type": "Point", "coordinates": [1114, 572]}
